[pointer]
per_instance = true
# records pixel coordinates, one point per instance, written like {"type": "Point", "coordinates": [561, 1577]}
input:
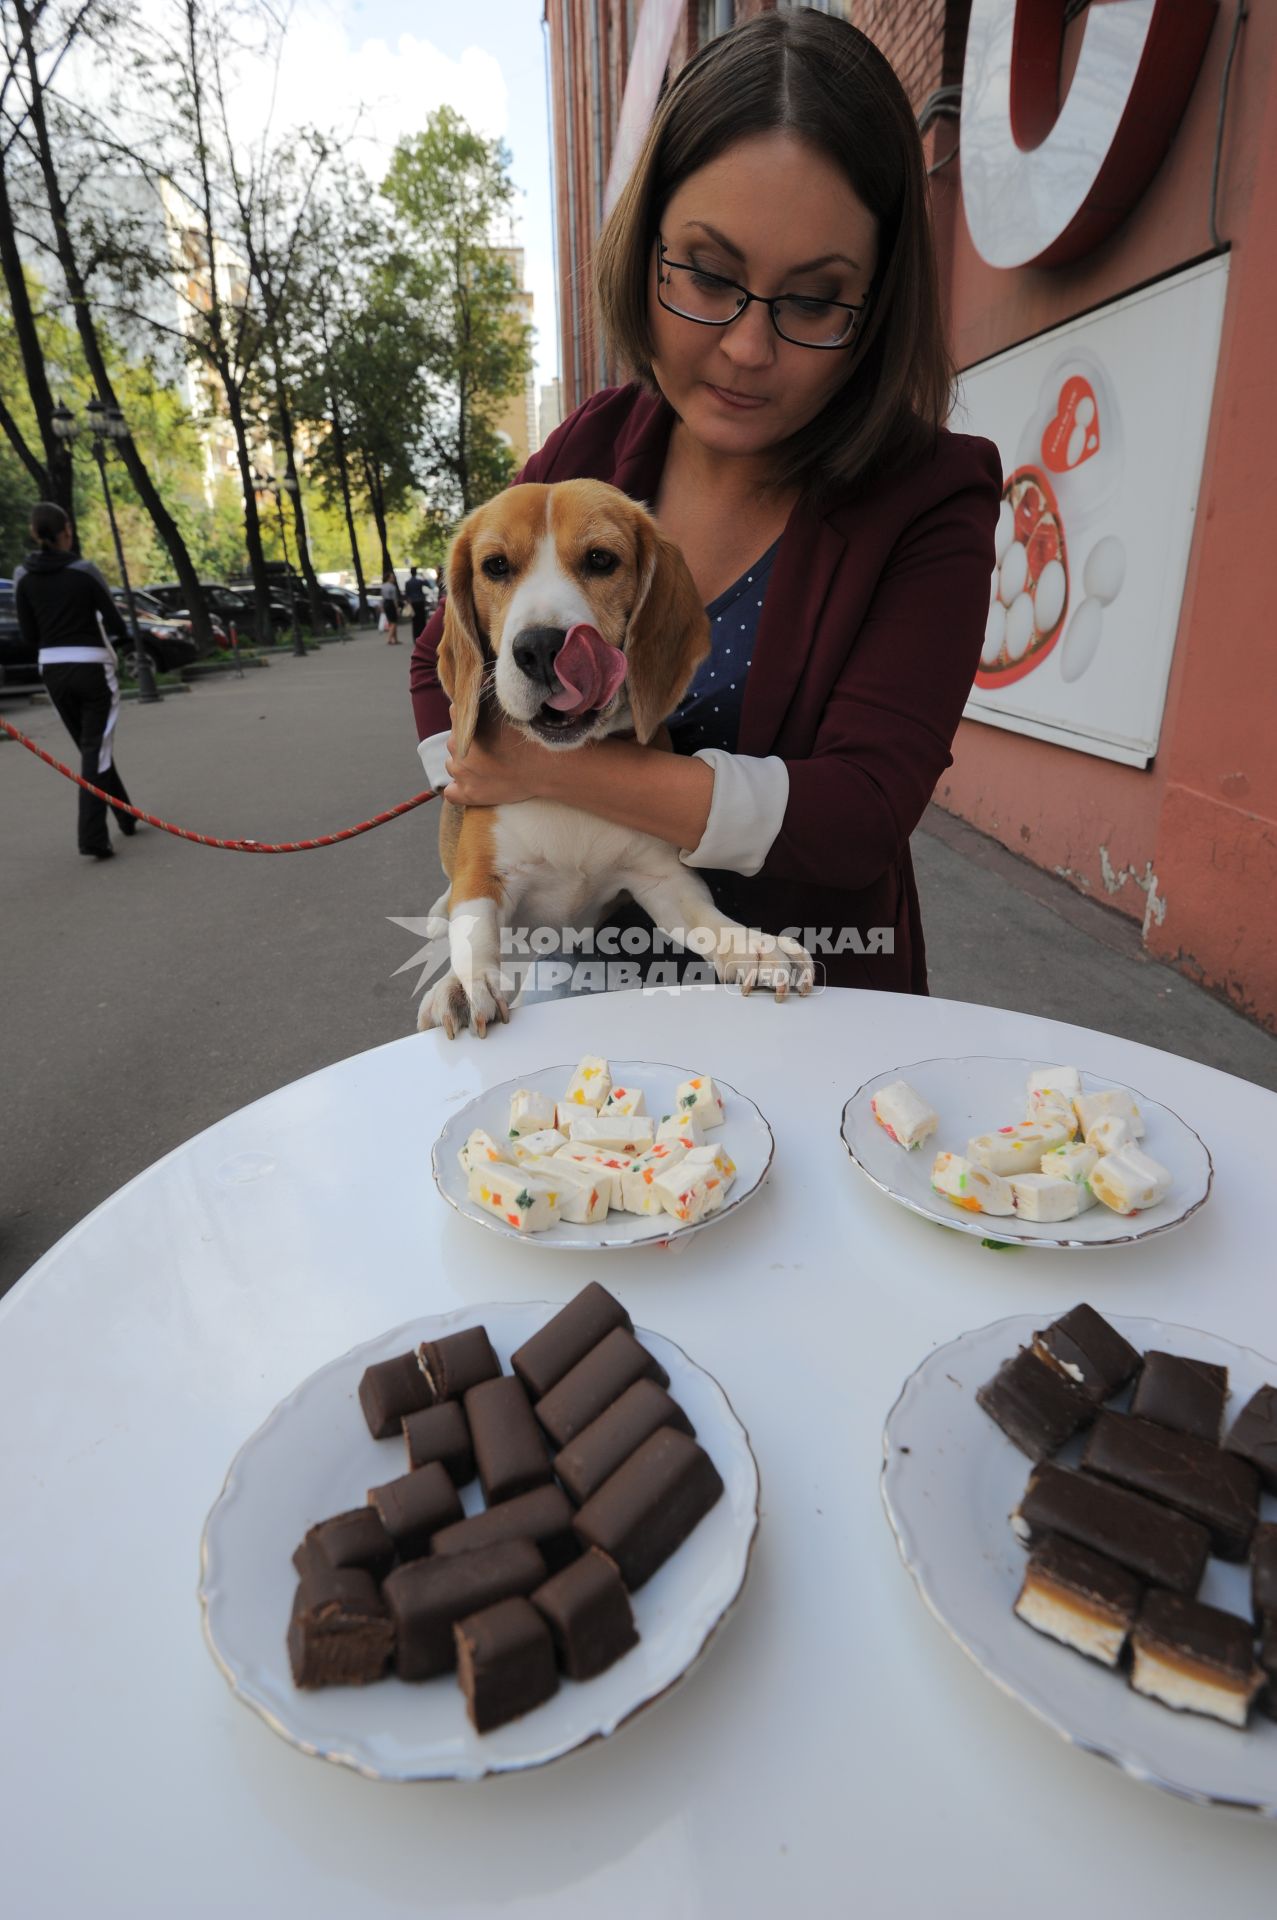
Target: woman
{"type": "Point", "coordinates": [63, 607]}
{"type": "Point", "coordinates": [769, 274]}
{"type": "Point", "coordinates": [390, 606]}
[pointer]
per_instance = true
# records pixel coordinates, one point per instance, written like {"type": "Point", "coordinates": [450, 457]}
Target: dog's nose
{"type": "Point", "coordinates": [535, 651]}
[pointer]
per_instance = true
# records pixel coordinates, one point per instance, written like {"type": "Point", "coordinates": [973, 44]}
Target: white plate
{"type": "Point", "coordinates": [950, 1478]}
{"type": "Point", "coordinates": [744, 1133]}
{"type": "Point", "coordinates": [314, 1456]}
{"type": "Point", "coordinates": [980, 1094]}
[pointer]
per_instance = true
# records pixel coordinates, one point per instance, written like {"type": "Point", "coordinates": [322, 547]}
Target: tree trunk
{"type": "Point", "coordinates": [53, 480]}
{"type": "Point", "coordinates": [377, 501]}
{"type": "Point", "coordinates": [318, 609]}
{"type": "Point", "coordinates": [265, 626]}
{"type": "Point", "coordinates": [343, 469]}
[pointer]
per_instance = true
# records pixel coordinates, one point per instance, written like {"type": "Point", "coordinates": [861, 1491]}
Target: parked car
{"type": "Point", "coordinates": [169, 646]}
{"type": "Point", "coordinates": [167, 639]}
{"type": "Point", "coordinates": [225, 604]}
{"type": "Point", "coordinates": [151, 608]}
{"type": "Point", "coordinates": [18, 667]}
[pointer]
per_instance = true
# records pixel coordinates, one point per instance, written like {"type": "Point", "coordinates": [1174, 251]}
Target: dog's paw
{"type": "Point", "coordinates": [749, 959]}
{"type": "Point", "coordinates": [452, 1006]}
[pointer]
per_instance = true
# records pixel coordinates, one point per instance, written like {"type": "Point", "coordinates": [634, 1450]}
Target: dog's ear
{"type": "Point", "coordinates": [668, 633]}
{"type": "Point", "coordinates": [461, 660]}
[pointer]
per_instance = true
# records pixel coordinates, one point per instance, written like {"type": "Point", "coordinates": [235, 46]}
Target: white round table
{"type": "Point", "coordinates": [835, 1752]}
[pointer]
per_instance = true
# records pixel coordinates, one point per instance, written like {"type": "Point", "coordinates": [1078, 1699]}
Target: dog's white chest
{"type": "Point", "coordinates": [559, 864]}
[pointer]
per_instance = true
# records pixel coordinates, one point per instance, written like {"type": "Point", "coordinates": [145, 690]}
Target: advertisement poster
{"type": "Point", "coordinates": [1101, 425]}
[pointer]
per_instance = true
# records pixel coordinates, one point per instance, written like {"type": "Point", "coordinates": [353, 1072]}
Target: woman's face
{"type": "Point", "coordinates": [776, 216]}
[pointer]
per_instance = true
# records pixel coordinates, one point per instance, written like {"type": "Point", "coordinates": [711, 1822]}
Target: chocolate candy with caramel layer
{"type": "Point", "coordinates": [1186, 1395]}
{"type": "Point", "coordinates": [509, 1449]}
{"type": "Point", "coordinates": [594, 1383]}
{"type": "Point", "coordinates": [1159, 1546]}
{"type": "Point", "coordinates": [1254, 1435]}
{"type": "Point", "coordinates": [542, 1361]}
{"type": "Point", "coordinates": [458, 1362]}
{"type": "Point", "coordinates": [1197, 1479]}
{"type": "Point", "coordinates": [543, 1516]}
{"type": "Point", "coordinates": [1267, 1660]}
{"type": "Point", "coordinates": [1195, 1657]}
{"type": "Point", "coordinates": [415, 1506]}
{"type": "Point", "coordinates": [1083, 1347]}
{"type": "Point", "coordinates": [650, 1505]}
{"type": "Point", "coordinates": [340, 1634]}
{"type": "Point", "coordinates": [427, 1597]}
{"type": "Point", "coordinates": [586, 1462]}
{"type": "Point", "coordinates": [354, 1539]}
{"type": "Point", "coordinates": [589, 1615]}
{"type": "Point", "coordinates": [1080, 1598]}
{"type": "Point", "coordinates": [389, 1390]}
{"type": "Point", "coordinates": [505, 1663]}
{"type": "Point", "coordinates": [441, 1433]}
{"type": "Point", "coordinates": [1263, 1570]}
{"type": "Point", "coordinates": [1035, 1407]}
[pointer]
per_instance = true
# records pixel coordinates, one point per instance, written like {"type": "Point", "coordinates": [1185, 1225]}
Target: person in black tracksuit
{"type": "Point", "coordinates": [65, 610]}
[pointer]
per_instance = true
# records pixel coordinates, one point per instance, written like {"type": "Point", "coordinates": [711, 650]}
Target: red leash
{"type": "Point", "coordinates": [206, 840]}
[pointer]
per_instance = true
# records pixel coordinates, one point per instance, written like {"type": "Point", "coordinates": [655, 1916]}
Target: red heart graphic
{"type": "Point", "coordinates": [1044, 545]}
{"type": "Point", "coordinates": [1069, 441]}
{"type": "Point", "coordinates": [1027, 514]}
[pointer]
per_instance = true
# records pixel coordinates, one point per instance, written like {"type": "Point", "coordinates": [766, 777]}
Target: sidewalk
{"type": "Point", "coordinates": [151, 995]}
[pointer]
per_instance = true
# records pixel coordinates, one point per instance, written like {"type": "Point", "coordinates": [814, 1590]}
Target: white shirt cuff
{"type": "Point", "coordinates": [433, 753]}
{"type": "Point", "coordinates": [746, 811]}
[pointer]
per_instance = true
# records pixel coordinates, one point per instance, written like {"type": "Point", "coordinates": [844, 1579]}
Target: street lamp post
{"type": "Point", "coordinates": [266, 483]}
{"type": "Point", "coordinates": [107, 425]}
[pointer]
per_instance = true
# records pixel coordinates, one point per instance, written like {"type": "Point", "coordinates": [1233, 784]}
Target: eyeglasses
{"type": "Point", "coordinates": [711, 301]}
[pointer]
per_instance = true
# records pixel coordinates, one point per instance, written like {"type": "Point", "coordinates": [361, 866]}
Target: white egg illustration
{"type": "Point", "coordinates": [1004, 534]}
{"type": "Point", "coordinates": [1105, 569]}
{"type": "Point", "coordinates": [1076, 447]}
{"type": "Point", "coordinates": [1084, 413]}
{"type": "Point", "coordinates": [1048, 601]}
{"type": "Point", "coordinates": [1019, 627]}
{"type": "Point", "coordinates": [993, 586]}
{"type": "Point", "coordinates": [1082, 640]}
{"type": "Point", "coordinates": [994, 634]}
{"type": "Point", "coordinates": [1015, 571]}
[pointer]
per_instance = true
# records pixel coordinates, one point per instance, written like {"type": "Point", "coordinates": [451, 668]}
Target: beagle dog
{"type": "Point", "coordinates": [570, 614]}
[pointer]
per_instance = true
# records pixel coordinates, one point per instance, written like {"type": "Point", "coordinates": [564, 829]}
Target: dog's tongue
{"type": "Point", "coordinates": [590, 670]}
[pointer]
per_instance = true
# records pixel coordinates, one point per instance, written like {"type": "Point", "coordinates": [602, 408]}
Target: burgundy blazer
{"type": "Point", "coordinates": [866, 650]}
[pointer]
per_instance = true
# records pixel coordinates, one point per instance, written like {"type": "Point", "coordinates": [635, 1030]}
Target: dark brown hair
{"type": "Point", "coordinates": [47, 521]}
{"type": "Point", "coordinates": [819, 78]}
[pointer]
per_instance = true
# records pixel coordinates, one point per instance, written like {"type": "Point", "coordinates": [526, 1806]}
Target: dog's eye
{"type": "Point", "coordinates": [599, 560]}
{"type": "Point", "coordinates": [496, 566]}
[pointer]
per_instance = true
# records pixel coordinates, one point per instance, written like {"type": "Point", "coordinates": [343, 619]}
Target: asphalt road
{"type": "Point", "coordinates": [150, 995]}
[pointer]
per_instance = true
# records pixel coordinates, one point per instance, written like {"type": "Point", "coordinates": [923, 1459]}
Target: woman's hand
{"type": "Point", "coordinates": [501, 767]}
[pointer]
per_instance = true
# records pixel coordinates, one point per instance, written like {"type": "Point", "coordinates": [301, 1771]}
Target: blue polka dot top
{"type": "Point", "coordinates": [709, 713]}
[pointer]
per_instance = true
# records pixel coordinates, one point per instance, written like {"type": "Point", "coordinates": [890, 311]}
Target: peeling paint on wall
{"type": "Point", "coordinates": [1080, 880]}
{"type": "Point", "coordinates": [1115, 878]}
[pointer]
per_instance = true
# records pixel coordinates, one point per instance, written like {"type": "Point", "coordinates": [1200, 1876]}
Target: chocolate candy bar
{"type": "Point", "coordinates": [1149, 1540]}
{"type": "Point", "coordinates": [542, 1361]}
{"type": "Point", "coordinates": [510, 1453]}
{"type": "Point", "coordinates": [1263, 1570]}
{"type": "Point", "coordinates": [389, 1390]}
{"type": "Point", "coordinates": [1088, 1351]}
{"type": "Point", "coordinates": [1036, 1407]}
{"type": "Point", "coordinates": [1079, 1597]}
{"type": "Point", "coordinates": [1195, 1657]}
{"type": "Point", "coordinates": [355, 1539]}
{"type": "Point", "coordinates": [1254, 1435]}
{"type": "Point", "coordinates": [586, 1462]}
{"type": "Point", "coordinates": [458, 1362]}
{"type": "Point", "coordinates": [589, 1615]}
{"type": "Point", "coordinates": [505, 1663]}
{"type": "Point", "coordinates": [427, 1597]}
{"type": "Point", "coordinates": [415, 1506]}
{"type": "Point", "coordinates": [650, 1504]}
{"type": "Point", "coordinates": [441, 1433]}
{"type": "Point", "coordinates": [544, 1516]}
{"type": "Point", "coordinates": [1186, 1395]}
{"type": "Point", "coordinates": [340, 1634]}
{"type": "Point", "coordinates": [594, 1383]}
{"type": "Point", "coordinates": [1267, 1660]}
{"type": "Point", "coordinates": [1210, 1486]}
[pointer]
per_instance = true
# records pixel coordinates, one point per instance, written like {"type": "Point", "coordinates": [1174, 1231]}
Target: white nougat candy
{"type": "Point", "coordinates": [585, 1193]}
{"type": "Point", "coordinates": [639, 1193]}
{"type": "Point", "coordinates": [969, 1186]}
{"type": "Point", "coordinates": [481, 1148]}
{"type": "Point", "coordinates": [1074, 1163]}
{"type": "Point", "coordinates": [1117, 1102]}
{"type": "Point", "coordinates": [718, 1168]}
{"type": "Point", "coordinates": [627, 1132]}
{"type": "Point", "coordinates": [1052, 1087]}
{"type": "Point", "coordinates": [683, 1127]}
{"type": "Point", "coordinates": [523, 1200]}
{"type": "Point", "coordinates": [904, 1114]}
{"type": "Point", "coordinates": [1017, 1149]}
{"type": "Point", "coordinates": [1046, 1196]}
{"type": "Point", "coordinates": [1055, 1110]}
{"type": "Point", "coordinates": [597, 1160]}
{"type": "Point", "coordinates": [590, 1085]}
{"type": "Point", "coordinates": [685, 1195]}
{"type": "Point", "coordinates": [527, 1146]}
{"type": "Point", "coordinates": [530, 1112]}
{"type": "Point", "coordinates": [624, 1100]}
{"type": "Point", "coordinates": [1128, 1180]}
{"type": "Point", "coordinates": [700, 1096]}
{"type": "Point", "coordinates": [1110, 1133]}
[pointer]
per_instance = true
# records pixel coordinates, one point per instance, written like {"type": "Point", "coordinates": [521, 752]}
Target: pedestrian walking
{"type": "Point", "coordinates": [390, 607]}
{"type": "Point", "coordinates": [65, 610]}
{"type": "Point", "coordinates": [414, 593]}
